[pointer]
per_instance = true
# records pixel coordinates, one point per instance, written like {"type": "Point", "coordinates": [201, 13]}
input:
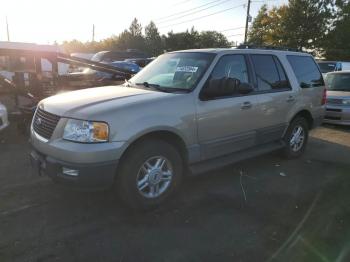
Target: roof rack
{"type": "Point", "coordinates": [280, 48]}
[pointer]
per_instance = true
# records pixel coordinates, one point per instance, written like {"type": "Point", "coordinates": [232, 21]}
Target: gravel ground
{"type": "Point", "coordinates": [262, 209]}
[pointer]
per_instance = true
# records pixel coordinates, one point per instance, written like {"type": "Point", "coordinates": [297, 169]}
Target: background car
{"type": "Point", "coordinates": [92, 78]}
{"type": "Point", "coordinates": [110, 56]}
{"type": "Point", "coordinates": [338, 98]}
{"type": "Point", "coordinates": [3, 117]}
{"type": "Point", "coordinates": [333, 66]}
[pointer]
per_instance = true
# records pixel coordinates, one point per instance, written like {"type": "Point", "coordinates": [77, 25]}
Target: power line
{"type": "Point", "coordinates": [233, 35]}
{"type": "Point", "coordinates": [194, 12]}
{"type": "Point", "coordinates": [201, 17]}
{"type": "Point", "coordinates": [231, 29]}
{"type": "Point", "coordinates": [179, 13]}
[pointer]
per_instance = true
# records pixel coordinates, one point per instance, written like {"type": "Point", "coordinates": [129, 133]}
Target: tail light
{"type": "Point", "coordinates": [324, 97]}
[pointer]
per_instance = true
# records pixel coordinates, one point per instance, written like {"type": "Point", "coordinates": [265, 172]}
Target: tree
{"type": "Point", "coordinates": [300, 24]}
{"type": "Point", "coordinates": [153, 40]}
{"type": "Point", "coordinates": [307, 22]}
{"type": "Point", "coordinates": [135, 28]}
{"type": "Point", "coordinates": [260, 27]}
{"type": "Point", "coordinates": [133, 39]}
{"type": "Point", "coordinates": [337, 45]}
{"type": "Point", "coordinates": [212, 39]}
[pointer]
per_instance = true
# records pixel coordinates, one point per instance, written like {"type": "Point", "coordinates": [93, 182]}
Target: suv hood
{"type": "Point", "coordinates": [82, 103]}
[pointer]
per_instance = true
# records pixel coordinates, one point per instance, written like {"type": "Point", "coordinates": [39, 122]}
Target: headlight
{"type": "Point", "coordinates": [86, 131]}
{"type": "Point", "coordinates": [346, 102]}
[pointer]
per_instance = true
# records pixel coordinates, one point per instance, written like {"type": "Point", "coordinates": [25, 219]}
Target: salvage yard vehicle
{"type": "Point", "coordinates": [112, 56]}
{"type": "Point", "coordinates": [338, 98]}
{"type": "Point", "coordinates": [3, 117]}
{"type": "Point", "coordinates": [187, 112]}
{"type": "Point", "coordinates": [38, 71]}
{"type": "Point", "coordinates": [333, 66]}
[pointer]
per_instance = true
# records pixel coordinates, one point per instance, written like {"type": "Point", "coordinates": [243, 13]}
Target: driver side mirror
{"type": "Point", "coordinates": [225, 86]}
{"type": "Point", "coordinates": [245, 88]}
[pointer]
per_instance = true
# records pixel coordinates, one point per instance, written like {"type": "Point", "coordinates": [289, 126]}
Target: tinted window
{"type": "Point", "coordinates": [231, 66]}
{"type": "Point", "coordinates": [306, 71]}
{"type": "Point", "coordinates": [327, 67]}
{"type": "Point", "coordinates": [269, 74]}
{"type": "Point", "coordinates": [338, 82]}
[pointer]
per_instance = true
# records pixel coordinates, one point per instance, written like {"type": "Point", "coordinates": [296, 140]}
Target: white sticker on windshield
{"type": "Point", "coordinates": [187, 69]}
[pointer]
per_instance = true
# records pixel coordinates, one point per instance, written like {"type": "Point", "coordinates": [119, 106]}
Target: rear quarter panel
{"type": "Point", "coordinates": [306, 98]}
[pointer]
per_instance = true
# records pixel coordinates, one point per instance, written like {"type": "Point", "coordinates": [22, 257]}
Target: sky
{"type": "Point", "coordinates": [46, 21]}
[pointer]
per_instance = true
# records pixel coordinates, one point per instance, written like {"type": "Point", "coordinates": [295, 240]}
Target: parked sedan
{"type": "Point", "coordinates": [338, 98]}
{"type": "Point", "coordinates": [3, 117]}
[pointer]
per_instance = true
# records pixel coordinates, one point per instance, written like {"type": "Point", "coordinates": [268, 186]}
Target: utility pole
{"type": "Point", "coordinates": [8, 31]}
{"type": "Point", "coordinates": [93, 32]}
{"type": "Point", "coordinates": [248, 19]}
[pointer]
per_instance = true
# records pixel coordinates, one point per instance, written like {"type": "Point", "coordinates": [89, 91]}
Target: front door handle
{"type": "Point", "coordinates": [246, 105]}
{"type": "Point", "coordinates": [290, 99]}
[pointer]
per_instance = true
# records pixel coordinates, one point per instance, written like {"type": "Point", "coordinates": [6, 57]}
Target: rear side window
{"type": "Point", "coordinates": [306, 71]}
{"type": "Point", "coordinates": [269, 73]}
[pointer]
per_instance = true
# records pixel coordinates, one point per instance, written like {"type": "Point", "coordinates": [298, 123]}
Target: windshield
{"type": "Point", "coordinates": [338, 82]}
{"type": "Point", "coordinates": [175, 70]}
{"type": "Point", "coordinates": [327, 67]}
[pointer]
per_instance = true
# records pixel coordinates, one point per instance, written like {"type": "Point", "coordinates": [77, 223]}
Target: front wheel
{"type": "Point", "coordinates": [150, 172]}
{"type": "Point", "coordinates": [296, 138]}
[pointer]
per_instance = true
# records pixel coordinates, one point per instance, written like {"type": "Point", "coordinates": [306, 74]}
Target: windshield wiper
{"type": "Point", "coordinates": [162, 89]}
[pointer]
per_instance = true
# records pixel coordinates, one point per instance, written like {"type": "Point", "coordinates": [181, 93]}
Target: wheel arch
{"type": "Point", "coordinates": [165, 135]}
{"type": "Point", "coordinates": [306, 114]}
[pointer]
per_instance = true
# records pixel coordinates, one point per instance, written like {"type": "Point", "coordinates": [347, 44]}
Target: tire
{"type": "Point", "coordinates": [297, 147]}
{"type": "Point", "coordinates": [137, 181]}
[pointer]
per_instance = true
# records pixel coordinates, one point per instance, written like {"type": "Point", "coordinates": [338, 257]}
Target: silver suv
{"type": "Point", "coordinates": [186, 112]}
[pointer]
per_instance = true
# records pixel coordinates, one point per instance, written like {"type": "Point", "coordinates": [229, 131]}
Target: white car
{"type": "Point", "coordinates": [3, 117]}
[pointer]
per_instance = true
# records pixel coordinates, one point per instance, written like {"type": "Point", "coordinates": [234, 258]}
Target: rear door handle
{"type": "Point", "coordinates": [290, 99]}
{"type": "Point", "coordinates": [246, 105]}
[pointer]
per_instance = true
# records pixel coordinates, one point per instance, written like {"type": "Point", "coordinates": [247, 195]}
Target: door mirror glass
{"type": "Point", "coordinates": [245, 88]}
{"type": "Point", "coordinates": [222, 87]}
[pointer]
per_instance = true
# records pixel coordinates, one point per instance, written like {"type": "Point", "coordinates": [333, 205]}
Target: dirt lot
{"type": "Point", "coordinates": [263, 209]}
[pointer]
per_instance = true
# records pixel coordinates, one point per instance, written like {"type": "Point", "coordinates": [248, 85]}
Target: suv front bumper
{"type": "Point", "coordinates": [77, 165]}
{"type": "Point", "coordinates": [92, 176]}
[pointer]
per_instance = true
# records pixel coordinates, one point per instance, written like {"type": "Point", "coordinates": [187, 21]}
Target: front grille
{"type": "Point", "coordinates": [334, 101]}
{"type": "Point", "coordinates": [44, 123]}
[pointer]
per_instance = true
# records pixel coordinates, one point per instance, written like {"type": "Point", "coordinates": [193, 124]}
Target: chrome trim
{"type": "Point", "coordinates": [39, 137]}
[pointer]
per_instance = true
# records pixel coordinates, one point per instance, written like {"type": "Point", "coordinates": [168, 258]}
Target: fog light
{"type": "Point", "coordinates": [70, 172]}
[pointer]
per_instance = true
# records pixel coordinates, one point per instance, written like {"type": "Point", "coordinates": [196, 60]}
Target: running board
{"type": "Point", "coordinates": [211, 164]}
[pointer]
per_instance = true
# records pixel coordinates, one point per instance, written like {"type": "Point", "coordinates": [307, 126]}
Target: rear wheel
{"type": "Point", "coordinates": [150, 172]}
{"type": "Point", "coordinates": [296, 138]}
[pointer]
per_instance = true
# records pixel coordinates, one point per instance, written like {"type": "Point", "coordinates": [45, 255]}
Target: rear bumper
{"type": "Point", "coordinates": [339, 115]}
{"type": "Point", "coordinates": [90, 177]}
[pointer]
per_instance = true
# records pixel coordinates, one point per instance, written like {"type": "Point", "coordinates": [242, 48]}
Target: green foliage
{"type": "Point", "coordinates": [151, 42]}
{"type": "Point", "coordinates": [337, 46]}
{"type": "Point", "coordinates": [300, 24]}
